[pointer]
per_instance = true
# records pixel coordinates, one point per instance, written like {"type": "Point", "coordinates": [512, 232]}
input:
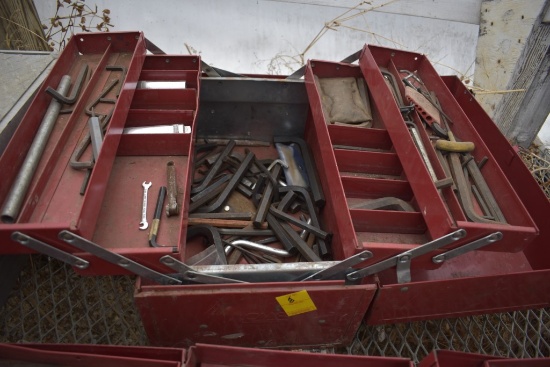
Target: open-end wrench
{"type": "Point", "coordinates": [143, 224]}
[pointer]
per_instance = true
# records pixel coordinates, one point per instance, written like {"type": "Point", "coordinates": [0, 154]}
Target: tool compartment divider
{"type": "Point", "coordinates": [375, 163]}
{"type": "Point", "coordinates": [450, 197]}
{"type": "Point", "coordinates": [154, 144]}
{"type": "Point", "coordinates": [163, 99]}
{"type": "Point", "coordinates": [53, 201]}
{"type": "Point", "coordinates": [140, 118]}
{"type": "Point", "coordinates": [354, 187]}
{"type": "Point", "coordinates": [520, 228]}
{"type": "Point", "coordinates": [381, 221]}
{"type": "Point", "coordinates": [340, 221]}
{"type": "Point", "coordinates": [362, 138]}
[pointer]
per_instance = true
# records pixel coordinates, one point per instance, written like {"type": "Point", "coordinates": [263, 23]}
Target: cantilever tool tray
{"type": "Point", "coordinates": [271, 211]}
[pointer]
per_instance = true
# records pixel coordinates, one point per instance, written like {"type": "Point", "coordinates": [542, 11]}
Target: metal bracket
{"type": "Point", "coordinates": [49, 250]}
{"type": "Point", "coordinates": [402, 261]}
{"type": "Point", "coordinates": [192, 275]}
{"type": "Point", "coordinates": [471, 246]}
{"type": "Point", "coordinates": [340, 267]}
{"type": "Point", "coordinates": [113, 258]}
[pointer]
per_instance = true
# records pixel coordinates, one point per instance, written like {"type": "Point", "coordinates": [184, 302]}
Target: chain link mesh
{"type": "Point", "coordinates": [519, 334]}
{"type": "Point", "coordinates": [53, 304]}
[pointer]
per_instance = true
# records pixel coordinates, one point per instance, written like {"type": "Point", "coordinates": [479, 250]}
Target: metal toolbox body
{"type": "Point", "coordinates": [248, 314]}
{"type": "Point", "coordinates": [53, 202]}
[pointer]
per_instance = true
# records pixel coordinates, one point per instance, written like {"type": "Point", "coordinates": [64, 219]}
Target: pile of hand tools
{"type": "Point", "coordinates": [244, 202]}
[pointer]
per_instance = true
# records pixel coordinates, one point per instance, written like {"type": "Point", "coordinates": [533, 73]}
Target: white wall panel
{"type": "Point", "coordinates": [245, 36]}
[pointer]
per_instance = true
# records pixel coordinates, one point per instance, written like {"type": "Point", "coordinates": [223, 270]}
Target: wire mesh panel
{"type": "Point", "coordinates": [520, 334]}
{"type": "Point", "coordinates": [53, 304]}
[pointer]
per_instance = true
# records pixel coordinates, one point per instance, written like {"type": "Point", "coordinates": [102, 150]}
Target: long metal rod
{"type": "Point", "coordinates": [19, 188]}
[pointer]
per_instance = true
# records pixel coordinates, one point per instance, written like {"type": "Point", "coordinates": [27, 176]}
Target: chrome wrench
{"type": "Point", "coordinates": [143, 224]}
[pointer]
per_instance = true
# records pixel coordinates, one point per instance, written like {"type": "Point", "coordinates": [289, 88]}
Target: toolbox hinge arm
{"type": "Point", "coordinates": [49, 250]}
{"type": "Point", "coordinates": [114, 258]}
{"type": "Point", "coordinates": [402, 261]}
{"type": "Point", "coordinates": [340, 268]}
{"type": "Point", "coordinates": [193, 275]}
{"type": "Point", "coordinates": [471, 246]}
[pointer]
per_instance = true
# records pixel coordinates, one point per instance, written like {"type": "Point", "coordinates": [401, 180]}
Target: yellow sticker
{"type": "Point", "coordinates": [296, 303]}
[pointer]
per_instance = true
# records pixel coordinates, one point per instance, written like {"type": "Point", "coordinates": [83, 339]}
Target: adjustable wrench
{"type": "Point", "coordinates": [143, 224]}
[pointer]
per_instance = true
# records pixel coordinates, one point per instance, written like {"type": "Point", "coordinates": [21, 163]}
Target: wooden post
{"type": "Point", "coordinates": [513, 55]}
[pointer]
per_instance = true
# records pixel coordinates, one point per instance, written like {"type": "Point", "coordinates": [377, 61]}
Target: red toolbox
{"type": "Point", "coordinates": [198, 355]}
{"type": "Point", "coordinates": [215, 355]}
{"type": "Point", "coordinates": [447, 358]}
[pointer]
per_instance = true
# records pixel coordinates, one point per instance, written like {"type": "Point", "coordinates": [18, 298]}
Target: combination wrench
{"type": "Point", "coordinates": [143, 224]}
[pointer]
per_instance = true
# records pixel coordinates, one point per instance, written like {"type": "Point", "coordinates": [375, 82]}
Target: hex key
{"type": "Point", "coordinates": [214, 169]}
{"type": "Point", "coordinates": [230, 186]}
{"type": "Point", "coordinates": [323, 249]}
{"type": "Point", "coordinates": [209, 193]}
{"type": "Point", "coordinates": [318, 232]}
{"type": "Point", "coordinates": [267, 197]}
{"type": "Point", "coordinates": [213, 236]}
{"type": "Point", "coordinates": [77, 87]}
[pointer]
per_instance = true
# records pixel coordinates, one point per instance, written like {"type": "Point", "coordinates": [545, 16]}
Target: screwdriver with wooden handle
{"type": "Point", "coordinates": [454, 146]}
{"type": "Point", "coordinates": [451, 145]}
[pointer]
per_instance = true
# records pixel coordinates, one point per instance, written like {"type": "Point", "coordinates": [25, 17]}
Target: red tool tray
{"type": "Point", "coordinates": [447, 358]}
{"type": "Point", "coordinates": [198, 355]}
{"type": "Point", "coordinates": [107, 214]}
{"type": "Point", "coordinates": [53, 202]}
{"type": "Point", "coordinates": [519, 231]}
{"type": "Point", "coordinates": [215, 355]}
{"type": "Point", "coordinates": [395, 168]}
{"type": "Point", "coordinates": [480, 281]}
{"type": "Point", "coordinates": [85, 355]}
{"type": "Point", "coordinates": [142, 158]}
{"type": "Point", "coordinates": [367, 174]}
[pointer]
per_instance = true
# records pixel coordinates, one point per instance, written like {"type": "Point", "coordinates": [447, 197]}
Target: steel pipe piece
{"type": "Point", "coordinates": [19, 188]}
